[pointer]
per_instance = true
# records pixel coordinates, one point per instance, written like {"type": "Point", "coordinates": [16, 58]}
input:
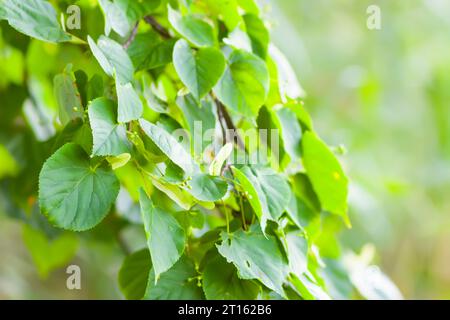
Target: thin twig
{"type": "Point", "coordinates": [223, 113]}
{"type": "Point", "coordinates": [132, 36]}
{"type": "Point", "coordinates": [158, 28]}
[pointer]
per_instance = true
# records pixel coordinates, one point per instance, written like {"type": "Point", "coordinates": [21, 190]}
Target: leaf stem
{"type": "Point", "coordinates": [226, 216]}
{"type": "Point", "coordinates": [242, 212]}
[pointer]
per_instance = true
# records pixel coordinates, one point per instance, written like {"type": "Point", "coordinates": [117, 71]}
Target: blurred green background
{"type": "Point", "coordinates": [383, 94]}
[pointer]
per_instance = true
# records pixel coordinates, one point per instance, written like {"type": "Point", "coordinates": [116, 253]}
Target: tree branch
{"type": "Point", "coordinates": [131, 37]}
{"type": "Point", "coordinates": [225, 116]}
{"type": "Point", "coordinates": [157, 27]}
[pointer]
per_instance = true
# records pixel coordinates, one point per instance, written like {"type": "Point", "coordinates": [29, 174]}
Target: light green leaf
{"type": "Point", "coordinates": [179, 283]}
{"type": "Point", "coordinates": [67, 96]}
{"type": "Point", "coordinates": [326, 175]}
{"type": "Point", "coordinates": [198, 70]}
{"type": "Point", "coordinates": [119, 161]}
{"type": "Point", "coordinates": [239, 39]}
{"type": "Point", "coordinates": [134, 274]}
{"type": "Point", "coordinates": [297, 248]}
{"type": "Point", "coordinates": [49, 254]}
{"type": "Point", "coordinates": [9, 166]}
{"type": "Point", "coordinates": [130, 105]}
{"type": "Point", "coordinates": [256, 257]}
{"type": "Point", "coordinates": [174, 192]}
{"type": "Point", "coordinates": [273, 191]}
{"type": "Point", "coordinates": [291, 132]}
{"type": "Point", "coordinates": [165, 237]}
{"type": "Point", "coordinates": [245, 84]}
{"type": "Point", "coordinates": [308, 289]}
{"type": "Point", "coordinates": [258, 34]}
{"type": "Point", "coordinates": [208, 188]}
{"type": "Point", "coordinates": [115, 18]}
{"type": "Point", "coordinates": [288, 83]}
{"type": "Point", "coordinates": [221, 282]}
{"type": "Point", "coordinates": [195, 30]}
{"type": "Point", "coordinates": [200, 119]}
{"type": "Point", "coordinates": [250, 6]}
{"type": "Point", "coordinates": [74, 193]}
{"type": "Point", "coordinates": [227, 10]}
{"type": "Point", "coordinates": [35, 18]}
{"type": "Point", "coordinates": [215, 169]}
{"type": "Point", "coordinates": [112, 56]}
{"type": "Point", "coordinates": [110, 138]}
{"type": "Point", "coordinates": [247, 187]}
{"type": "Point", "coordinates": [169, 146]}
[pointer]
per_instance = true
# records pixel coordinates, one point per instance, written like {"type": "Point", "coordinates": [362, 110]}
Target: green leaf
{"type": "Point", "coordinates": [289, 86]}
{"type": "Point", "coordinates": [174, 192]}
{"type": "Point", "coordinates": [256, 257]}
{"type": "Point", "coordinates": [35, 18]}
{"type": "Point", "coordinates": [169, 146]}
{"type": "Point", "coordinates": [215, 168]}
{"type": "Point", "coordinates": [300, 213]}
{"type": "Point", "coordinates": [245, 84]}
{"type": "Point", "coordinates": [195, 30]}
{"type": "Point", "coordinates": [74, 193]}
{"type": "Point", "coordinates": [308, 289]}
{"type": "Point", "coordinates": [141, 46]}
{"type": "Point", "coordinates": [297, 248]}
{"type": "Point", "coordinates": [112, 56]}
{"type": "Point", "coordinates": [258, 34]}
{"type": "Point", "coordinates": [326, 175]}
{"type": "Point", "coordinates": [179, 283]}
{"type": "Point", "coordinates": [110, 138]}
{"type": "Point", "coordinates": [160, 55]}
{"type": "Point", "coordinates": [272, 191]}
{"type": "Point", "coordinates": [221, 282]}
{"type": "Point", "coordinates": [119, 161]}
{"type": "Point", "coordinates": [247, 187]}
{"type": "Point", "coordinates": [121, 15]}
{"type": "Point", "coordinates": [165, 237]}
{"type": "Point", "coordinates": [250, 6]}
{"type": "Point", "coordinates": [227, 10]}
{"type": "Point", "coordinates": [130, 105]}
{"type": "Point", "coordinates": [208, 188]}
{"type": "Point", "coordinates": [49, 254]}
{"type": "Point", "coordinates": [9, 166]}
{"type": "Point", "coordinates": [291, 132]}
{"type": "Point", "coordinates": [67, 96]}
{"type": "Point", "coordinates": [201, 120]}
{"type": "Point", "coordinates": [115, 18]}
{"type": "Point", "coordinates": [134, 274]}
{"type": "Point", "coordinates": [198, 70]}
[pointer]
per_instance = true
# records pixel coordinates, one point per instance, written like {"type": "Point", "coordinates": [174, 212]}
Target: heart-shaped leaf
{"type": "Point", "coordinates": [199, 70]}
{"type": "Point", "coordinates": [76, 193]}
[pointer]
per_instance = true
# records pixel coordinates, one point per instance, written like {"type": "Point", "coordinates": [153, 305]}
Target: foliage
{"type": "Point", "coordinates": [219, 225]}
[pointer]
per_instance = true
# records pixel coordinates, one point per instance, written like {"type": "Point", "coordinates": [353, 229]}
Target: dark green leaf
{"type": "Point", "coordinates": [134, 274]}
{"type": "Point", "coordinates": [165, 237]}
{"type": "Point", "coordinates": [74, 192]}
